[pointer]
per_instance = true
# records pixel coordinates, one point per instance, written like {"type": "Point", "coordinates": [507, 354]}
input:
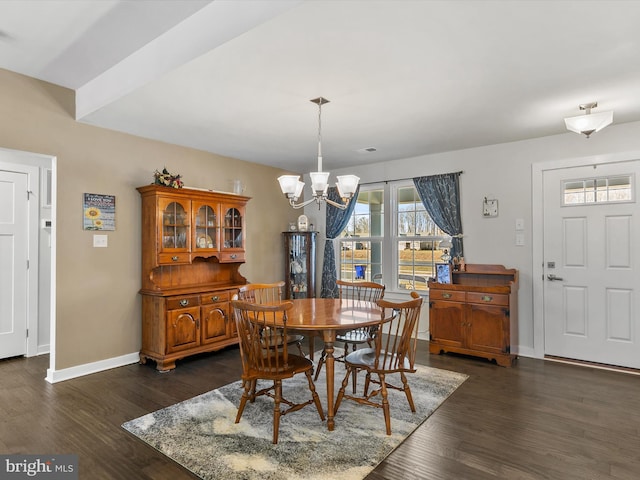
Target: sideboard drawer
{"type": "Point", "coordinates": [231, 257]}
{"type": "Point", "coordinates": [182, 302]}
{"type": "Point", "coordinates": [488, 298]}
{"type": "Point", "coordinates": [450, 295]}
{"type": "Point", "coordinates": [214, 297]}
{"type": "Point", "coordinates": [174, 258]}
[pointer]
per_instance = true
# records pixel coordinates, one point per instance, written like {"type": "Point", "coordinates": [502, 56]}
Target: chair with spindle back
{"type": "Point", "coordinates": [394, 351]}
{"type": "Point", "coordinates": [355, 291]}
{"type": "Point", "coordinates": [263, 360]}
{"type": "Point", "coordinates": [268, 293]}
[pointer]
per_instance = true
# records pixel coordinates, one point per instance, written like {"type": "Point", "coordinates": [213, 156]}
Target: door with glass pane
{"type": "Point", "coordinates": [591, 278]}
{"type": "Point", "coordinates": [175, 231]}
{"type": "Point", "coordinates": [206, 227]}
{"type": "Point", "coordinates": [232, 233]}
{"type": "Point", "coordinates": [300, 264]}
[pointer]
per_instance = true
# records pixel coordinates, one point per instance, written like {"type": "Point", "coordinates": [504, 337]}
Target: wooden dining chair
{"type": "Point", "coordinates": [356, 291]}
{"type": "Point", "coordinates": [262, 360]}
{"type": "Point", "coordinates": [393, 352]}
{"type": "Point", "coordinates": [269, 293]}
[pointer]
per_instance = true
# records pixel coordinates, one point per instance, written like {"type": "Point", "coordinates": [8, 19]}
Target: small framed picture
{"type": "Point", "coordinates": [303, 223]}
{"type": "Point", "coordinates": [443, 272]}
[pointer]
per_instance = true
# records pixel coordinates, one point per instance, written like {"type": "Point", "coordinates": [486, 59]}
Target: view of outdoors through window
{"type": "Point", "coordinates": [417, 241]}
{"type": "Point", "coordinates": [415, 237]}
{"type": "Point", "coordinates": [361, 240]}
{"type": "Point", "coordinates": [598, 190]}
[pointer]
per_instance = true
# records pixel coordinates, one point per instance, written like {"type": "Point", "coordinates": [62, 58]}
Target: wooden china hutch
{"type": "Point", "coordinates": [476, 314]}
{"type": "Point", "coordinates": [192, 249]}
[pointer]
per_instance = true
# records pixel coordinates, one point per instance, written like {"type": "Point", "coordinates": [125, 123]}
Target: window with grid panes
{"type": "Point", "coordinates": [361, 242]}
{"type": "Point", "coordinates": [416, 239]}
{"type": "Point", "coordinates": [406, 258]}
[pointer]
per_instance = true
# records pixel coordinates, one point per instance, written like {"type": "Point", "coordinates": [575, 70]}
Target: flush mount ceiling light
{"type": "Point", "coordinates": [589, 122]}
{"type": "Point", "coordinates": [291, 185]}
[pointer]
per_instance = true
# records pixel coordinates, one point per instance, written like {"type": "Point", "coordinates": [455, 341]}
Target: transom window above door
{"type": "Point", "coordinates": [587, 191]}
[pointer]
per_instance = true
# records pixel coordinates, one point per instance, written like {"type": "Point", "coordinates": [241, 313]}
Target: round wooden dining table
{"type": "Point", "coordinates": [327, 317]}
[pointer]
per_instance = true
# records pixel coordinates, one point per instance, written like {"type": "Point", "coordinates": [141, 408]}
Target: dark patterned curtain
{"type": "Point", "coordinates": [440, 195]}
{"type": "Point", "coordinates": [336, 221]}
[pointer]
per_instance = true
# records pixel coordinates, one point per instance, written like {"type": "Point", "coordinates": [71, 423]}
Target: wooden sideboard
{"type": "Point", "coordinates": [476, 314]}
{"type": "Point", "coordinates": [192, 249]}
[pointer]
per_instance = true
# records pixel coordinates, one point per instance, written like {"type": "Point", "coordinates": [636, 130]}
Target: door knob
{"type": "Point", "coordinates": [552, 277]}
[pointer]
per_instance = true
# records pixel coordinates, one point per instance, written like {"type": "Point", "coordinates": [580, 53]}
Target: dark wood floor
{"type": "Point", "coordinates": [537, 420]}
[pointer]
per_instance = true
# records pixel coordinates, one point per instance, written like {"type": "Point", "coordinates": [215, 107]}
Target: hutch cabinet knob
{"type": "Point", "coordinates": [175, 258]}
{"type": "Point", "coordinates": [233, 255]}
{"type": "Point", "coordinates": [215, 298]}
{"type": "Point", "coordinates": [184, 302]}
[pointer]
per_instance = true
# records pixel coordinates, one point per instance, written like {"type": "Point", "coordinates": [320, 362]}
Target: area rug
{"type": "Point", "coordinates": [200, 433]}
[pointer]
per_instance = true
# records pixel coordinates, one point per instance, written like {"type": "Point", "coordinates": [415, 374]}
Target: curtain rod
{"type": "Point", "coordinates": [408, 178]}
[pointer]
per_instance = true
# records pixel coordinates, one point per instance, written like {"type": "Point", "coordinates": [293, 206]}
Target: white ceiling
{"type": "Point", "coordinates": [405, 77]}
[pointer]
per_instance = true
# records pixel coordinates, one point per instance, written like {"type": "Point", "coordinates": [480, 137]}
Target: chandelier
{"type": "Point", "coordinates": [292, 187]}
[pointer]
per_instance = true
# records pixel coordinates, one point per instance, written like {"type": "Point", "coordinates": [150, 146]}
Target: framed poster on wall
{"type": "Point", "coordinates": [99, 212]}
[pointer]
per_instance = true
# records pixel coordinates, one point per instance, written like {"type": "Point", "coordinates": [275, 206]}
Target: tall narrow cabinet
{"type": "Point", "coordinates": [300, 264]}
{"type": "Point", "coordinates": [192, 249]}
{"type": "Point", "coordinates": [476, 314]}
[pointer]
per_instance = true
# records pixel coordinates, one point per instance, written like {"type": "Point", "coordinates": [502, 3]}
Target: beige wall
{"type": "Point", "coordinates": [98, 306]}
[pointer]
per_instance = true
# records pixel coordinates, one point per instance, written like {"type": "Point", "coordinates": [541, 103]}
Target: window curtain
{"type": "Point", "coordinates": [440, 195]}
{"type": "Point", "coordinates": [336, 222]}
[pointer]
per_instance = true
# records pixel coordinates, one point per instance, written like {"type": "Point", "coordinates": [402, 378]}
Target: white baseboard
{"type": "Point", "coordinates": [43, 349]}
{"type": "Point", "coordinates": [525, 352]}
{"type": "Point", "coordinates": [54, 376]}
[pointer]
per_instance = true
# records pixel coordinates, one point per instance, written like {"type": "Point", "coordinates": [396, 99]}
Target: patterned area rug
{"type": "Point", "coordinates": [200, 433]}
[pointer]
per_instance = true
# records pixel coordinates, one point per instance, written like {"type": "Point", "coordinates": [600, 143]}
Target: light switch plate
{"type": "Point", "coordinates": [519, 224]}
{"type": "Point", "coordinates": [100, 240]}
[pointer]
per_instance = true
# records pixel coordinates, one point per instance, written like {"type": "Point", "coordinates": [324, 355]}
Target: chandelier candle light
{"type": "Point", "coordinates": [291, 185]}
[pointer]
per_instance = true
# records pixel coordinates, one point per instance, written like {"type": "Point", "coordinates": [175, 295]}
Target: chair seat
{"type": "Point", "coordinates": [353, 336]}
{"type": "Point", "coordinates": [366, 357]}
{"type": "Point", "coordinates": [295, 364]}
{"type": "Point", "coordinates": [278, 338]}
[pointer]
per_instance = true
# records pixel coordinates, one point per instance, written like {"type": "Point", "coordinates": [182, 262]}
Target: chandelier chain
{"type": "Point", "coordinates": [320, 136]}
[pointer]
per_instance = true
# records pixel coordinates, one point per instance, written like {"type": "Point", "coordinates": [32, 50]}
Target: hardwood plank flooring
{"type": "Point", "coordinates": [536, 420]}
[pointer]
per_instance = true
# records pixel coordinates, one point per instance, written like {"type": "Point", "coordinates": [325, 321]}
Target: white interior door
{"type": "Point", "coordinates": [13, 263]}
{"type": "Point", "coordinates": [591, 277]}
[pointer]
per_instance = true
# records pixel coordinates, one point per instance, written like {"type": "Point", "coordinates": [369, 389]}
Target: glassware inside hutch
{"type": "Point", "coordinates": [233, 229]}
{"type": "Point", "coordinates": [206, 228]}
{"type": "Point", "coordinates": [175, 226]}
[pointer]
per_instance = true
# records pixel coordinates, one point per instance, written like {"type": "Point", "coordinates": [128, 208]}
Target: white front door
{"type": "Point", "coordinates": [13, 263]}
{"type": "Point", "coordinates": [591, 254]}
